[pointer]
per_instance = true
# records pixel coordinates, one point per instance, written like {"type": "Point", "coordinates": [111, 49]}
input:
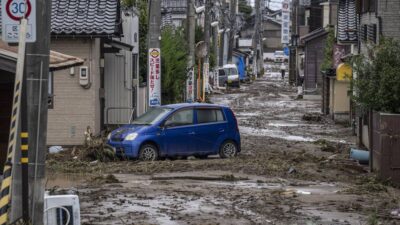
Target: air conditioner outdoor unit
{"type": "Point", "coordinates": [61, 210]}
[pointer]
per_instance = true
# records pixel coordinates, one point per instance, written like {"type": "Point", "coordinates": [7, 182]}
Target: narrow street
{"type": "Point", "coordinates": [293, 169]}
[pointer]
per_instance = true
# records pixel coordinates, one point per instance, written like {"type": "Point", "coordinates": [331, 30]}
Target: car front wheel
{"type": "Point", "coordinates": [228, 150]}
{"type": "Point", "coordinates": [148, 152]}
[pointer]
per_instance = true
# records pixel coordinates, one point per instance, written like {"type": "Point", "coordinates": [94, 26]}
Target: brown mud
{"type": "Point", "coordinates": [293, 169]}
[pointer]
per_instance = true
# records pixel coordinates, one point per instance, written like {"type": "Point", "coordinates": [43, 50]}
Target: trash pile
{"type": "Point", "coordinates": [94, 150]}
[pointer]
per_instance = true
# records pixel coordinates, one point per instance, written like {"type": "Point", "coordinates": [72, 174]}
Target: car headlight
{"type": "Point", "coordinates": [109, 136]}
{"type": "Point", "coordinates": [131, 137]}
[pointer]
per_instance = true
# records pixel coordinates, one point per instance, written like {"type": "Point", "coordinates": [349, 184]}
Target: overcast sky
{"type": "Point", "coordinates": [274, 4]}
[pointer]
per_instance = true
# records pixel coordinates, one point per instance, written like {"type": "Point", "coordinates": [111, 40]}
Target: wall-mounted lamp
{"type": "Point", "coordinates": [200, 9]}
{"type": "Point", "coordinates": [214, 24]}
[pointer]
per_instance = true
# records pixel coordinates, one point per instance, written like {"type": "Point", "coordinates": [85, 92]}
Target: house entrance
{"type": "Point", "coordinates": [6, 96]}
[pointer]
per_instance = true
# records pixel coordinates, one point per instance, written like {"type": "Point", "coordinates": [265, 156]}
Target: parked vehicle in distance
{"type": "Point", "coordinates": [232, 74]}
{"type": "Point", "coordinates": [280, 57]}
{"type": "Point", "coordinates": [179, 130]}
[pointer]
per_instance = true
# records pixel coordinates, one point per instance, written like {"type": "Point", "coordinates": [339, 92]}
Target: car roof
{"type": "Point", "coordinates": [228, 66]}
{"type": "Point", "coordinates": [185, 105]}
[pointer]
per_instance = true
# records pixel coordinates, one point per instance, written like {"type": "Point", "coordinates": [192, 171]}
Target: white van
{"type": "Point", "coordinates": [279, 57]}
{"type": "Point", "coordinates": [232, 74]}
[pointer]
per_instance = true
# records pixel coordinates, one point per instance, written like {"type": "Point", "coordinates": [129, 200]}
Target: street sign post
{"type": "Point", "coordinates": [155, 77]}
{"type": "Point", "coordinates": [190, 86]}
{"type": "Point", "coordinates": [285, 22]}
{"type": "Point", "coordinates": [12, 11]}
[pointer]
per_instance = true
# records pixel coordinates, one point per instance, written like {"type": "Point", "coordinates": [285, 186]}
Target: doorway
{"type": "Point", "coordinates": [6, 96]}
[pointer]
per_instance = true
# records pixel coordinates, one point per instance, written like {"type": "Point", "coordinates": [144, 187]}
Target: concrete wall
{"type": "Point", "coordinates": [273, 34]}
{"type": "Point", "coordinates": [75, 108]}
{"type": "Point", "coordinates": [389, 11]}
{"type": "Point", "coordinates": [341, 98]}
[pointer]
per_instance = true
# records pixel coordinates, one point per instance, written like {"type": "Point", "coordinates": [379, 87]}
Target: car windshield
{"type": "Point", "coordinates": [151, 116]}
{"type": "Point", "coordinates": [231, 71]}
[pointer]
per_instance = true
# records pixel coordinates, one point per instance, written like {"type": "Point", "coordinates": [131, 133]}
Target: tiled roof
{"type": "Point", "coordinates": [58, 60]}
{"type": "Point", "coordinates": [85, 17]}
{"type": "Point", "coordinates": [347, 21]}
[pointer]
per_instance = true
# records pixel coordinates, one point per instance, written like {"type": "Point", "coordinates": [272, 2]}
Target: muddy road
{"type": "Point", "coordinates": [293, 169]}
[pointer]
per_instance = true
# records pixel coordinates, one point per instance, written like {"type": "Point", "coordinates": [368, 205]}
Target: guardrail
{"type": "Point", "coordinates": [131, 118]}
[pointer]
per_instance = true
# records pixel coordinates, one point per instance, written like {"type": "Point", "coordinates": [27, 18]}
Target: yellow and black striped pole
{"type": "Point", "coordinates": [25, 165]}
{"type": "Point", "coordinates": [5, 191]}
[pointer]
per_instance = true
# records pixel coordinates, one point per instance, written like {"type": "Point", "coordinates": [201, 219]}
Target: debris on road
{"type": "Point", "coordinates": [312, 117]}
{"type": "Point", "coordinates": [294, 168]}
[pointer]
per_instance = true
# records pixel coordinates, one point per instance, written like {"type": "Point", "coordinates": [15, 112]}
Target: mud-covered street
{"type": "Point", "coordinates": [294, 168]}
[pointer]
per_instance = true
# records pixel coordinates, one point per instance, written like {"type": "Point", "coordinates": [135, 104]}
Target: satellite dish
{"type": "Point", "coordinates": [201, 49]}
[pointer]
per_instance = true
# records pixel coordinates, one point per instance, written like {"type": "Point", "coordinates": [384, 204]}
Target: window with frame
{"type": "Point", "coordinates": [50, 99]}
{"type": "Point", "coordinates": [209, 116]}
{"type": "Point", "coordinates": [181, 118]}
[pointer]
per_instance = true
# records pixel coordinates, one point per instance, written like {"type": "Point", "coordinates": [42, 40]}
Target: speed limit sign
{"type": "Point", "coordinates": [12, 11]}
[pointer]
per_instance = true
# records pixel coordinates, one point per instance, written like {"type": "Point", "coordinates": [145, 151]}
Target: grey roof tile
{"type": "Point", "coordinates": [85, 17]}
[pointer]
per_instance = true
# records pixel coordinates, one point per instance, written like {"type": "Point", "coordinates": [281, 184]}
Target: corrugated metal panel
{"type": "Point", "coordinates": [386, 142]}
{"type": "Point", "coordinates": [314, 58]}
{"type": "Point", "coordinates": [118, 94]}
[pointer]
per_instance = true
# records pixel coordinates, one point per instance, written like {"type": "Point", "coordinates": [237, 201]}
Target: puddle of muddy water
{"type": "Point", "coordinates": [333, 218]}
{"type": "Point", "coordinates": [63, 180]}
{"type": "Point", "coordinates": [273, 134]}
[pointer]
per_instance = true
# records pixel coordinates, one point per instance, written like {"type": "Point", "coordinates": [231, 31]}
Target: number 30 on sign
{"type": "Point", "coordinates": [12, 12]}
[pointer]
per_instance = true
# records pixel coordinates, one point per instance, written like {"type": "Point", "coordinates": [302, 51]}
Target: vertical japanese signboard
{"type": "Point", "coordinates": [285, 22]}
{"type": "Point", "coordinates": [190, 86]}
{"type": "Point", "coordinates": [12, 11]}
{"type": "Point", "coordinates": [338, 52]}
{"type": "Point", "coordinates": [206, 77]}
{"type": "Point", "coordinates": [154, 77]}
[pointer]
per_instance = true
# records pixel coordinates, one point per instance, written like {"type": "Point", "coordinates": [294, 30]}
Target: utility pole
{"type": "Point", "coordinates": [216, 38]}
{"type": "Point", "coordinates": [191, 30]}
{"type": "Point", "coordinates": [293, 50]}
{"type": "Point", "coordinates": [256, 39]}
{"type": "Point", "coordinates": [232, 33]}
{"type": "Point", "coordinates": [154, 54]}
{"type": "Point", "coordinates": [222, 35]}
{"type": "Point", "coordinates": [37, 73]}
{"type": "Point", "coordinates": [207, 26]}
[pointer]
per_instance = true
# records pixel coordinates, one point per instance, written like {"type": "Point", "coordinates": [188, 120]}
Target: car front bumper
{"type": "Point", "coordinates": [125, 148]}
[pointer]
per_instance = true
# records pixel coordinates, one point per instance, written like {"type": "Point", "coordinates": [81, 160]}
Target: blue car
{"type": "Point", "coordinates": [179, 130]}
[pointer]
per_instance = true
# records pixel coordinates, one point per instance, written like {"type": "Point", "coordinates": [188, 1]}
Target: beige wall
{"type": "Point", "coordinates": [340, 97]}
{"type": "Point", "coordinates": [75, 107]}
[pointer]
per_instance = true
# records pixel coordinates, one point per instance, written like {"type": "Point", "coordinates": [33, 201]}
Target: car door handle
{"type": "Point", "coordinates": [222, 130]}
{"type": "Point", "coordinates": [192, 133]}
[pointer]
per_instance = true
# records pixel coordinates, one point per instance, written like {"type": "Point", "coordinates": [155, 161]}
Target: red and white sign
{"type": "Point", "coordinates": [154, 77]}
{"type": "Point", "coordinates": [12, 11]}
{"type": "Point", "coordinates": [190, 86]}
{"type": "Point", "coordinates": [285, 22]}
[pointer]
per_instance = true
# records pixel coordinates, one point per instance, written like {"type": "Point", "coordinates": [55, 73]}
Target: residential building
{"type": "Point", "coordinates": [378, 19]}
{"type": "Point", "coordinates": [104, 90]}
{"type": "Point", "coordinates": [8, 61]}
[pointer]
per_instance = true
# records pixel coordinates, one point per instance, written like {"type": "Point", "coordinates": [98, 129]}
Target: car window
{"type": "Point", "coordinates": [180, 118]}
{"type": "Point", "coordinates": [231, 71]}
{"type": "Point", "coordinates": [152, 116]}
{"type": "Point", "coordinates": [221, 72]}
{"type": "Point", "coordinates": [209, 116]}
